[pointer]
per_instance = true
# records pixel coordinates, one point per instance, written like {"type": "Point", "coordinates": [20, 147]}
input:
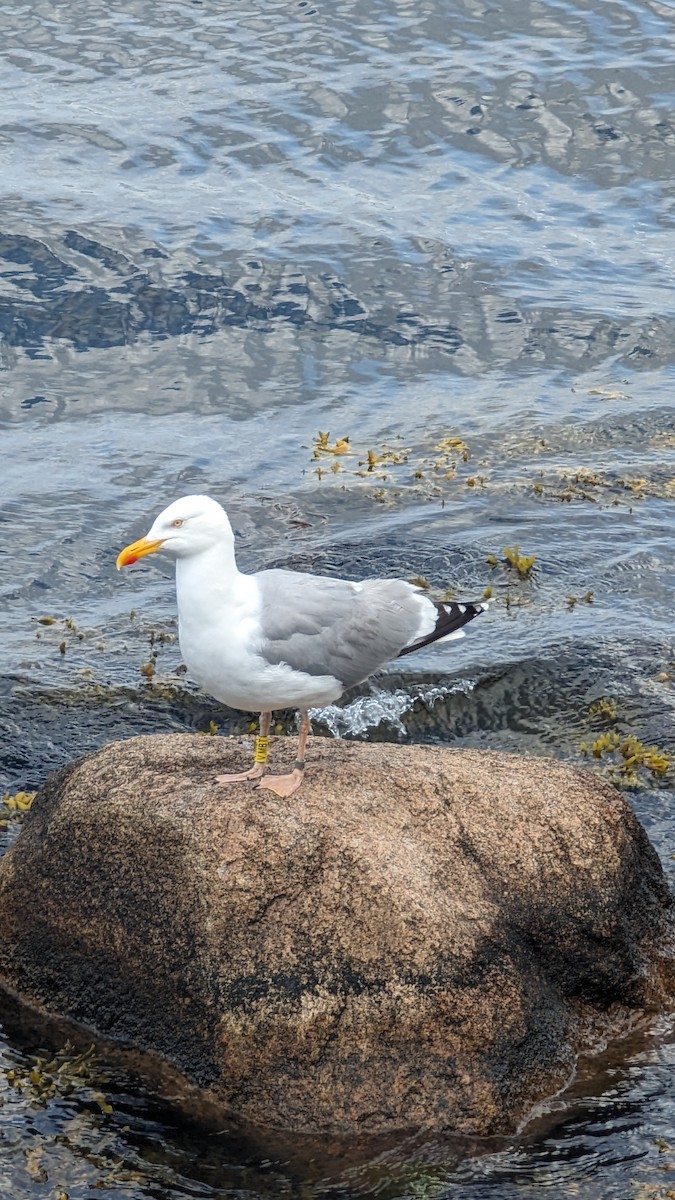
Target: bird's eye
{"type": "Point", "coordinates": [177, 523]}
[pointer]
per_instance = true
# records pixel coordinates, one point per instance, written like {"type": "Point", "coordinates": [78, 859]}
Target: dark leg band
{"type": "Point", "coordinates": [299, 764]}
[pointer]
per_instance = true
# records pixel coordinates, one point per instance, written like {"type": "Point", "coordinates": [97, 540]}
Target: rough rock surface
{"type": "Point", "coordinates": [419, 937]}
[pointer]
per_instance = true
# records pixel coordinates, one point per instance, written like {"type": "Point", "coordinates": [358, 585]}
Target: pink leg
{"type": "Point", "coordinates": [260, 760]}
{"type": "Point", "coordinates": [286, 785]}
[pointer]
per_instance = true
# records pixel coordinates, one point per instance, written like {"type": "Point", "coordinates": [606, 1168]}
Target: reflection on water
{"type": "Point", "coordinates": [593, 1141]}
{"type": "Point", "coordinates": [445, 233]}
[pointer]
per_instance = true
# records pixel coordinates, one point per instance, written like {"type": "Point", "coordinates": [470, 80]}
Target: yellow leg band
{"type": "Point", "coordinates": [261, 745]}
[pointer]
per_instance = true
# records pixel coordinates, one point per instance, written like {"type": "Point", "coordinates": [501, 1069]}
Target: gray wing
{"type": "Point", "coordinates": [334, 627]}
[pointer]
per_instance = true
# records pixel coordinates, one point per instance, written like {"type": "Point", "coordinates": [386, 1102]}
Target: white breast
{"type": "Point", "coordinates": [220, 641]}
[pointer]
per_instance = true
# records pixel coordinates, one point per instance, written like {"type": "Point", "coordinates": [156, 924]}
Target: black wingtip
{"type": "Point", "coordinates": [451, 617]}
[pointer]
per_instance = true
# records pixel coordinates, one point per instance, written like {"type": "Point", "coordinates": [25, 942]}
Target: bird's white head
{"type": "Point", "coordinates": [187, 527]}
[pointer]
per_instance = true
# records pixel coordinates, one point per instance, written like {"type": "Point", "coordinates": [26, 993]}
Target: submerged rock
{"type": "Point", "coordinates": [419, 937]}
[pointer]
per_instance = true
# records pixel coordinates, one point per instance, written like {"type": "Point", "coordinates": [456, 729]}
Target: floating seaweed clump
{"type": "Point", "coordinates": [609, 395]}
{"type": "Point", "coordinates": [601, 487]}
{"type": "Point", "coordinates": [66, 1072]}
{"type": "Point", "coordinates": [13, 808]}
{"type": "Point", "coordinates": [606, 743]}
{"type": "Point", "coordinates": [587, 598]}
{"type": "Point", "coordinates": [157, 639]}
{"type": "Point", "coordinates": [636, 754]}
{"type": "Point", "coordinates": [428, 474]}
{"type": "Point", "coordinates": [453, 446]}
{"type": "Point", "coordinates": [604, 710]}
{"type": "Point", "coordinates": [65, 623]}
{"type": "Point", "coordinates": [386, 457]}
{"type": "Point", "coordinates": [322, 445]}
{"type": "Point", "coordinates": [522, 563]}
{"type": "Point", "coordinates": [627, 757]}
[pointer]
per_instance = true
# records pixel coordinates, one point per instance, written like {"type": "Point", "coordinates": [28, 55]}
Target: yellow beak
{"type": "Point", "coordinates": [137, 550]}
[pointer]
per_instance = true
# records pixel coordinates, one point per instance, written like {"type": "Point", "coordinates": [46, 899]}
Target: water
{"type": "Point", "coordinates": [226, 228]}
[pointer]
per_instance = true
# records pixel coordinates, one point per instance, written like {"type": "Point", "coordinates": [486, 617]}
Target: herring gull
{"type": "Point", "coordinates": [282, 639]}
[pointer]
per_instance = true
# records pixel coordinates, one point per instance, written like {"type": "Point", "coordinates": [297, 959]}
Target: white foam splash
{"type": "Point", "coordinates": [366, 712]}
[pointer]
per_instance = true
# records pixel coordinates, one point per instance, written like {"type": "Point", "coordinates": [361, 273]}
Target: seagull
{"type": "Point", "coordinates": [282, 639]}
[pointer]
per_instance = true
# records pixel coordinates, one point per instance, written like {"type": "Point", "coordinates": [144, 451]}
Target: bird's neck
{"type": "Point", "coordinates": [205, 581]}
